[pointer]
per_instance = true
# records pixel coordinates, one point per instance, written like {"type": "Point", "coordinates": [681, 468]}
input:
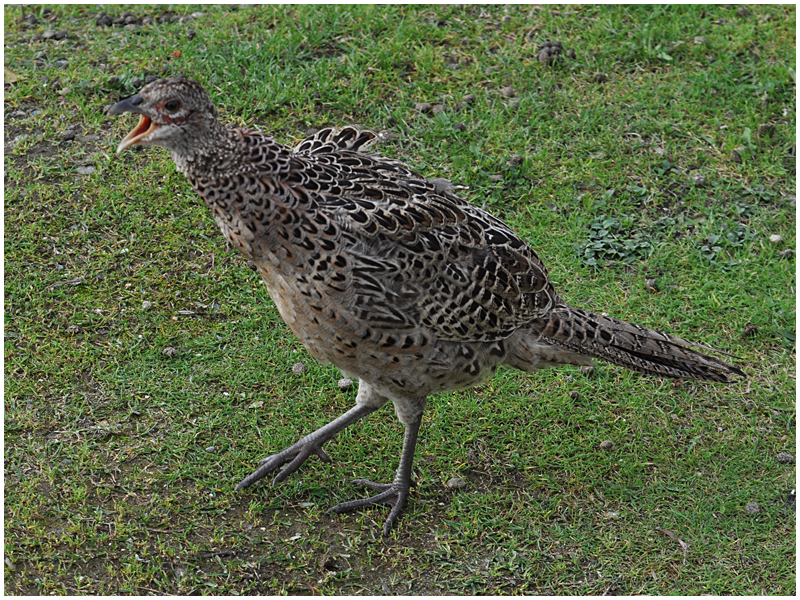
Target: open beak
{"type": "Point", "coordinates": [145, 127]}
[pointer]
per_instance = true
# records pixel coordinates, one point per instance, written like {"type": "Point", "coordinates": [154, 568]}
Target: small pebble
{"type": "Point", "coordinates": [775, 239]}
{"type": "Point", "coordinates": [752, 508]}
{"type": "Point", "coordinates": [62, 64]}
{"type": "Point", "coordinates": [191, 34]}
{"type": "Point", "coordinates": [699, 180]}
{"type": "Point", "coordinates": [651, 285]}
{"type": "Point", "coordinates": [513, 103]}
{"type": "Point", "coordinates": [600, 78]}
{"type": "Point", "coordinates": [570, 53]}
{"type": "Point", "coordinates": [113, 80]}
{"type": "Point", "coordinates": [298, 368]}
{"type": "Point", "coordinates": [784, 458]}
{"type": "Point", "coordinates": [423, 107]}
{"type": "Point", "coordinates": [788, 253]}
{"type": "Point", "coordinates": [743, 12]}
{"type": "Point", "coordinates": [306, 504]}
{"type": "Point", "coordinates": [67, 135]}
{"type": "Point", "coordinates": [587, 370]}
{"type": "Point", "coordinates": [508, 91]}
{"type": "Point", "coordinates": [170, 351]}
{"type": "Point", "coordinates": [606, 445]}
{"type": "Point", "coordinates": [48, 34]}
{"type": "Point", "coordinates": [765, 130]}
{"type": "Point", "coordinates": [136, 82]}
{"type": "Point", "coordinates": [210, 449]}
{"type": "Point", "coordinates": [456, 483]}
{"type": "Point", "coordinates": [147, 305]}
{"type": "Point", "coordinates": [736, 157]}
{"type": "Point", "coordinates": [437, 108]}
{"type": "Point", "coordinates": [750, 330]}
{"type": "Point", "coordinates": [74, 329]}
{"type": "Point", "coordinates": [700, 39]}
{"type": "Point", "coordinates": [345, 384]}
{"type": "Point", "coordinates": [85, 170]}
{"type": "Point", "coordinates": [575, 395]}
{"type": "Point", "coordinates": [546, 57]}
{"type": "Point", "coordinates": [460, 127]}
{"type": "Point", "coordinates": [515, 160]}
{"type": "Point", "coordinates": [468, 99]}
{"type": "Point", "coordinates": [61, 35]}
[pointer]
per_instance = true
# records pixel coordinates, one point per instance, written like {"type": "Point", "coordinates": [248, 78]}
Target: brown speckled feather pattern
{"type": "Point", "coordinates": [402, 283]}
{"type": "Point", "coordinates": [393, 277]}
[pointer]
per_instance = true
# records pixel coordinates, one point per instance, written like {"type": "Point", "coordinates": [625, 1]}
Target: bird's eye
{"type": "Point", "coordinates": [172, 105]}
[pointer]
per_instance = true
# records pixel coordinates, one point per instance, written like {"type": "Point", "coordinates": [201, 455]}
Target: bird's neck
{"type": "Point", "coordinates": [243, 182]}
{"type": "Point", "coordinates": [211, 151]}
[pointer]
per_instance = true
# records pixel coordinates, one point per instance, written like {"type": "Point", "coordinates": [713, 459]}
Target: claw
{"type": "Point", "coordinates": [378, 487]}
{"type": "Point", "coordinates": [394, 494]}
{"type": "Point", "coordinates": [297, 453]}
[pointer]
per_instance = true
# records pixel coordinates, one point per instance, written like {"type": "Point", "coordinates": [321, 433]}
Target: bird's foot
{"type": "Point", "coordinates": [394, 494]}
{"type": "Point", "coordinates": [295, 455]}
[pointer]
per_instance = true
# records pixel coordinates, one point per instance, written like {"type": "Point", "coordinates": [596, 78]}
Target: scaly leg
{"type": "Point", "coordinates": [297, 454]}
{"type": "Point", "coordinates": [395, 493]}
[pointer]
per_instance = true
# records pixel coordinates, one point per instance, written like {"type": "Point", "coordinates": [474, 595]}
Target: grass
{"type": "Point", "coordinates": [664, 150]}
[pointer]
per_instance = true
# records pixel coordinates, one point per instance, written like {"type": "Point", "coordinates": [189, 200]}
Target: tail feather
{"type": "Point", "coordinates": [632, 346]}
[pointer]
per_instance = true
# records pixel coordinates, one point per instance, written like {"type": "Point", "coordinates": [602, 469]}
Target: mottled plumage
{"type": "Point", "coordinates": [390, 276]}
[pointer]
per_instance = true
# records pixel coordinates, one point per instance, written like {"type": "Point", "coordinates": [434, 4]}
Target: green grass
{"type": "Point", "coordinates": [120, 461]}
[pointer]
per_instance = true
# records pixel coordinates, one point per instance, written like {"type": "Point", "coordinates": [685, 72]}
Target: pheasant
{"type": "Point", "coordinates": [390, 276]}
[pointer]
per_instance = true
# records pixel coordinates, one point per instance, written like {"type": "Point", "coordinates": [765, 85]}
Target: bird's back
{"type": "Point", "coordinates": [390, 268]}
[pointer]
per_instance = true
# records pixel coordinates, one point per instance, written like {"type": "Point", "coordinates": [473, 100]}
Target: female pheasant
{"type": "Point", "coordinates": [390, 276]}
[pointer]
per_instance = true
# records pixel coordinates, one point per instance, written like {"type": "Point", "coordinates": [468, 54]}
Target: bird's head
{"type": "Point", "coordinates": [173, 113]}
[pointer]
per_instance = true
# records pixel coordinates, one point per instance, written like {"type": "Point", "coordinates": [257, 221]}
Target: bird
{"type": "Point", "coordinates": [392, 277]}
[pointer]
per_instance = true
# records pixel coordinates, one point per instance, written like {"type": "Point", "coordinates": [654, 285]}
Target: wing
{"type": "Point", "coordinates": [330, 140]}
{"type": "Point", "coordinates": [416, 253]}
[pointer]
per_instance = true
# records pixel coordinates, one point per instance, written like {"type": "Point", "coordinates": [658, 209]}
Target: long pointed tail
{"type": "Point", "coordinates": [629, 345]}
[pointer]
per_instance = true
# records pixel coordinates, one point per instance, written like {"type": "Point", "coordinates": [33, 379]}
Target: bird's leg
{"type": "Point", "coordinates": [297, 454]}
{"type": "Point", "coordinates": [395, 493]}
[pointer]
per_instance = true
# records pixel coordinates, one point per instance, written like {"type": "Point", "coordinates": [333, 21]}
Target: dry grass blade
{"type": "Point", "coordinates": [684, 545]}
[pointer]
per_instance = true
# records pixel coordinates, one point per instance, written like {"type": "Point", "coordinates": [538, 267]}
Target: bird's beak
{"type": "Point", "coordinates": [145, 127]}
